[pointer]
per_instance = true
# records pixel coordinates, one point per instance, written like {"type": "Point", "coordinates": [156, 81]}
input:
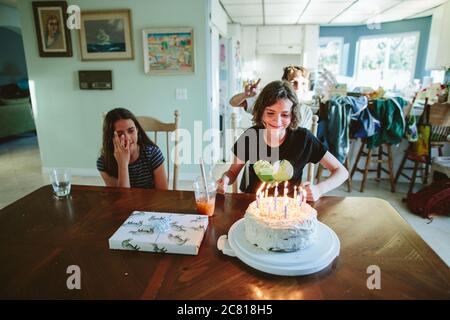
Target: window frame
{"type": "Point", "coordinates": [326, 40]}
{"type": "Point", "coordinates": [387, 35]}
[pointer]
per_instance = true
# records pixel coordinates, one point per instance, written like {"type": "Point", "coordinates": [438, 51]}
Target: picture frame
{"type": "Point", "coordinates": [53, 37]}
{"type": "Point", "coordinates": [106, 35]}
{"type": "Point", "coordinates": [168, 51]}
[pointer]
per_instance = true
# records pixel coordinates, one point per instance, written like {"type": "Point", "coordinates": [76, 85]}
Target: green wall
{"type": "Point", "coordinates": [69, 120]}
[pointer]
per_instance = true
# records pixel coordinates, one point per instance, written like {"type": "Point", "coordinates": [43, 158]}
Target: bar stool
{"type": "Point", "coordinates": [380, 159]}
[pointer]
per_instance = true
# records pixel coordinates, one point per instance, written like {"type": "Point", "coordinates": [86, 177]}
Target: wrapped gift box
{"type": "Point", "coordinates": [160, 232]}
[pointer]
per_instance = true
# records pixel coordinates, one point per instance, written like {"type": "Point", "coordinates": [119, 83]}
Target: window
{"type": "Point", "coordinates": [387, 61]}
{"type": "Point", "coordinates": [330, 54]}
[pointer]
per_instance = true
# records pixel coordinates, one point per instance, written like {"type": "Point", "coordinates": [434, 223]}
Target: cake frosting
{"type": "Point", "coordinates": [274, 228]}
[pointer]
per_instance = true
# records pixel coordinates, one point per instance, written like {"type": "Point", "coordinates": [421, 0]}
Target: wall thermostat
{"type": "Point", "coordinates": [95, 79]}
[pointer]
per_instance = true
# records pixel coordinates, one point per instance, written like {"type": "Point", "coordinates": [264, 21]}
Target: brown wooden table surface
{"type": "Point", "coordinates": [41, 236]}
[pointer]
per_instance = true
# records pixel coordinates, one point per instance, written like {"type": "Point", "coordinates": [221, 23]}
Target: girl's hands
{"type": "Point", "coordinates": [222, 184]}
{"type": "Point", "coordinates": [250, 89]}
{"type": "Point", "coordinates": [312, 191]}
{"type": "Point", "coordinates": [121, 149]}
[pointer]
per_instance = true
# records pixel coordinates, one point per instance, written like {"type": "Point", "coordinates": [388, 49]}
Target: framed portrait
{"type": "Point", "coordinates": [168, 51]}
{"type": "Point", "coordinates": [106, 35]}
{"type": "Point", "coordinates": [53, 36]}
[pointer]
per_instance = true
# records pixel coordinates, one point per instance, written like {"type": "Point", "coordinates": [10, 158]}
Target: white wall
{"type": "Point", "coordinates": [438, 55]}
{"type": "Point", "coordinates": [9, 16]}
{"type": "Point", "coordinates": [269, 67]}
{"type": "Point", "coordinates": [69, 120]}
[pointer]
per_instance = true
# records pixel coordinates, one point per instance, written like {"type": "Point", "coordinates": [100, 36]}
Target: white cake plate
{"type": "Point", "coordinates": [302, 262]}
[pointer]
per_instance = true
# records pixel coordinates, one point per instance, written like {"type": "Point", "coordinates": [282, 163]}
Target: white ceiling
{"type": "Point", "coordinates": [325, 12]}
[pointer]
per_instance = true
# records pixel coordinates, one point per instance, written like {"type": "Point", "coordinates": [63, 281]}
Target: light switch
{"type": "Point", "coordinates": [181, 93]}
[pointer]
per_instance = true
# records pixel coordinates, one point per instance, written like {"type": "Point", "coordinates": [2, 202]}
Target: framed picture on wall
{"type": "Point", "coordinates": [168, 51]}
{"type": "Point", "coordinates": [106, 35]}
{"type": "Point", "coordinates": [53, 36]}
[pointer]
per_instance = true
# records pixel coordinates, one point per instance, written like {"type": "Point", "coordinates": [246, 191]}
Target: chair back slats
{"type": "Point", "coordinates": [150, 125]}
{"type": "Point", "coordinates": [168, 156]}
{"type": "Point", "coordinates": [234, 125]}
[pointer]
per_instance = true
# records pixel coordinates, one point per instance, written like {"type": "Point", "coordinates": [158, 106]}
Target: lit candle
{"type": "Point", "coordinates": [285, 189]}
{"type": "Point", "coordinates": [270, 209]}
{"type": "Point", "coordinates": [258, 195]}
{"type": "Point", "coordinates": [275, 193]}
{"type": "Point", "coordinates": [295, 192]}
{"type": "Point", "coordinates": [257, 199]}
{"type": "Point", "coordinates": [285, 207]}
{"type": "Point", "coordinates": [261, 188]}
{"type": "Point", "coordinates": [267, 191]}
{"type": "Point", "coordinates": [299, 196]}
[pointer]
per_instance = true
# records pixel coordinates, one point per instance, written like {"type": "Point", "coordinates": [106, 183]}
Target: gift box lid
{"type": "Point", "coordinates": [160, 232]}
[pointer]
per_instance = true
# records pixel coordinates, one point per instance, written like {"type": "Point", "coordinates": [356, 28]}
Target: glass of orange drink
{"type": "Point", "coordinates": [205, 198]}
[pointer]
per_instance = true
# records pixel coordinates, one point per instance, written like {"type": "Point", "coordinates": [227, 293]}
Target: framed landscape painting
{"type": "Point", "coordinates": [168, 51]}
{"type": "Point", "coordinates": [106, 35]}
{"type": "Point", "coordinates": [50, 23]}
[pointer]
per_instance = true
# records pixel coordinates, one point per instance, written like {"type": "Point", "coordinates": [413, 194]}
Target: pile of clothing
{"type": "Point", "coordinates": [349, 117]}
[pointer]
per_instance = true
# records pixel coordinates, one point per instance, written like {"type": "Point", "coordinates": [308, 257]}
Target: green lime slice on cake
{"type": "Point", "coordinates": [278, 172]}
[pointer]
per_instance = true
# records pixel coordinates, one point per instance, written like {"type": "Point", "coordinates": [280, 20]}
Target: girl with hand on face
{"type": "Point", "coordinates": [276, 136]}
{"type": "Point", "coordinates": [129, 159]}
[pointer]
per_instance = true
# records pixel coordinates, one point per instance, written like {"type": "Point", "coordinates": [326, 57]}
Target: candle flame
{"type": "Point", "coordinates": [261, 188]}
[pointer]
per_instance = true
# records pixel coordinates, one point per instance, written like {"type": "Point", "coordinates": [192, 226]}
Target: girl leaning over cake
{"type": "Point", "coordinates": [276, 136]}
{"type": "Point", "coordinates": [129, 159]}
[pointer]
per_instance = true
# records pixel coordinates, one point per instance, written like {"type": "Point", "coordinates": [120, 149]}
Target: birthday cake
{"type": "Point", "coordinates": [281, 224]}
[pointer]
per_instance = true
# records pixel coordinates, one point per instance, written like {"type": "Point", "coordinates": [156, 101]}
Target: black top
{"type": "Point", "coordinates": [300, 147]}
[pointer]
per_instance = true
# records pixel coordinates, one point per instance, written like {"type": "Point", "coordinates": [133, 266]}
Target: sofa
{"type": "Point", "coordinates": [16, 116]}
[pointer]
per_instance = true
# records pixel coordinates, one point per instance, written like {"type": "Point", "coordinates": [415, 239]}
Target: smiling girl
{"type": "Point", "coordinates": [129, 159]}
{"type": "Point", "coordinates": [276, 136]}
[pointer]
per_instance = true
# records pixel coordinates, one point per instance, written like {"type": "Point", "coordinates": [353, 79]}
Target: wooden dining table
{"type": "Point", "coordinates": [42, 236]}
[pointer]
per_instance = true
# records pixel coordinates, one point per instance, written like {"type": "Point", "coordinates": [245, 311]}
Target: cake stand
{"type": "Point", "coordinates": [302, 262]}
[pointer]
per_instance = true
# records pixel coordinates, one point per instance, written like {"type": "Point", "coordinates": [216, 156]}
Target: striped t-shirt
{"type": "Point", "coordinates": [141, 171]}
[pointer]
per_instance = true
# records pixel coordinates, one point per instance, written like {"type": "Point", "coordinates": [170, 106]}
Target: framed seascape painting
{"type": "Point", "coordinates": [52, 35]}
{"type": "Point", "coordinates": [106, 35]}
{"type": "Point", "coordinates": [168, 51]}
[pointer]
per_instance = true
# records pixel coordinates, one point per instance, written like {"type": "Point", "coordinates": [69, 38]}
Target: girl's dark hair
{"type": "Point", "coordinates": [107, 152]}
{"type": "Point", "coordinates": [271, 93]}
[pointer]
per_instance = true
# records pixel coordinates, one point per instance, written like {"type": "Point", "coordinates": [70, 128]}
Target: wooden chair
{"type": "Point", "coordinates": [438, 116]}
{"type": "Point", "coordinates": [150, 124]}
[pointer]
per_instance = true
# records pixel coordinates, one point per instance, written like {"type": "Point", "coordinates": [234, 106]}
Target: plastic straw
{"type": "Point", "coordinates": [202, 169]}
